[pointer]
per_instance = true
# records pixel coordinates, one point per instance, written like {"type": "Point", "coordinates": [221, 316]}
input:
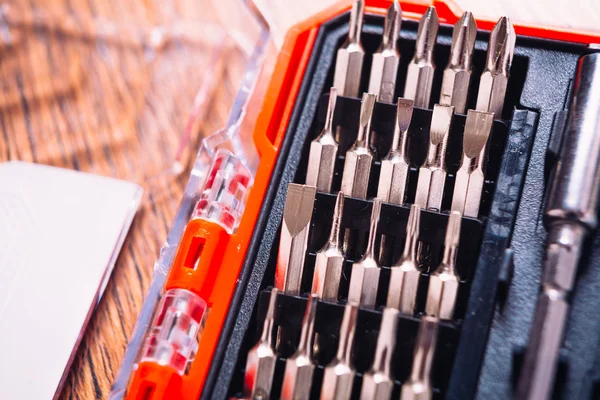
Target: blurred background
{"type": "Point", "coordinates": [127, 89]}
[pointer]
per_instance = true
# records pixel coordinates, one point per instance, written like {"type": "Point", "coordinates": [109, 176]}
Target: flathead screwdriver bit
{"type": "Point", "coordinates": [323, 152]}
{"type": "Point", "coordinates": [330, 259]}
{"type": "Point", "coordinates": [395, 165]}
{"type": "Point", "coordinates": [419, 76]}
{"type": "Point", "coordinates": [260, 365]}
{"type": "Point", "coordinates": [444, 281]}
{"type": "Point", "coordinates": [405, 274]}
{"type": "Point", "coordinates": [378, 383]}
{"type": "Point", "coordinates": [364, 278]}
{"type": "Point", "coordinates": [359, 158]}
{"type": "Point", "coordinates": [339, 374]}
{"type": "Point", "coordinates": [299, 368]}
{"type": "Point", "coordinates": [470, 176]}
{"type": "Point", "coordinates": [432, 175]}
{"type": "Point", "coordinates": [384, 67]}
{"type": "Point", "coordinates": [494, 79]}
{"type": "Point", "coordinates": [418, 387]}
{"type": "Point", "coordinates": [297, 214]}
{"type": "Point", "coordinates": [349, 62]}
{"type": "Point", "coordinates": [457, 75]}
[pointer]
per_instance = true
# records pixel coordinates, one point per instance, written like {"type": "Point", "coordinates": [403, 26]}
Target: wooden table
{"type": "Point", "coordinates": [80, 93]}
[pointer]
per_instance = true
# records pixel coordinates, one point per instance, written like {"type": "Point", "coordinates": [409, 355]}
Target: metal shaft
{"type": "Point", "coordinates": [418, 387]}
{"type": "Point", "coordinates": [419, 76]}
{"type": "Point", "coordinates": [260, 365]}
{"type": "Point", "coordinates": [299, 368]}
{"type": "Point", "coordinates": [323, 152]}
{"type": "Point", "coordinates": [571, 213]}
{"type": "Point", "coordinates": [384, 68]}
{"type": "Point", "coordinates": [339, 374]}
{"type": "Point", "coordinates": [349, 62]}
{"type": "Point", "coordinates": [297, 214]}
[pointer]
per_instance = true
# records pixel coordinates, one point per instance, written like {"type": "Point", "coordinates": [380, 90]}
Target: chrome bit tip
{"type": "Point", "coordinates": [453, 232]}
{"type": "Point", "coordinates": [478, 126]}
{"type": "Point", "coordinates": [378, 383]}
{"type": "Point", "coordinates": [366, 115]}
{"type": "Point", "coordinates": [501, 47]}
{"type": "Point", "coordinates": [427, 35]}
{"type": "Point", "coordinates": [356, 21]}
{"type": "Point", "coordinates": [391, 26]}
{"type": "Point", "coordinates": [374, 223]}
{"type": "Point", "coordinates": [404, 112]}
{"type": "Point", "coordinates": [412, 231]}
{"type": "Point", "coordinates": [463, 42]}
{"type": "Point", "coordinates": [418, 387]}
{"type": "Point", "coordinates": [330, 110]}
{"type": "Point", "coordinates": [334, 234]}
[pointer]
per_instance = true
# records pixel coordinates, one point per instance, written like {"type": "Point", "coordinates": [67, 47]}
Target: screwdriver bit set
{"type": "Point", "coordinates": [420, 189]}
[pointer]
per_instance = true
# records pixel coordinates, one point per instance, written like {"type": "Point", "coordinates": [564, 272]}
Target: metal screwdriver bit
{"type": "Point", "coordinates": [470, 176]}
{"type": "Point", "coordinates": [418, 387]}
{"type": "Point", "coordinates": [330, 259]}
{"type": "Point", "coordinates": [378, 383]}
{"type": "Point", "coordinates": [405, 275]}
{"type": "Point", "coordinates": [364, 278]}
{"type": "Point", "coordinates": [357, 166]}
{"type": "Point", "coordinates": [297, 214]}
{"type": "Point", "coordinates": [457, 75]}
{"type": "Point", "coordinates": [299, 368]}
{"type": "Point", "coordinates": [338, 376]}
{"type": "Point", "coordinates": [323, 152]}
{"type": "Point", "coordinates": [384, 68]}
{"type": "Point", "coordinates": [444, 282]}
{"type": "Point", "coordinates": [494, 80]}
{"type": "Point", "coordinates": [349, 62]}
{"type": "Point", "coordinates": [395, 165]}
{"type": "Point", "coordinates": [419, 76]}
{"type": "Point", "coordinates": [260, 365]}
{"type": "Point", "coordinates": [432, 175]}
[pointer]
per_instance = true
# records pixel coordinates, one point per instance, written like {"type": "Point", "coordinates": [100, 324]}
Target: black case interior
{"type": "Point", "coordinates": [500, 253]}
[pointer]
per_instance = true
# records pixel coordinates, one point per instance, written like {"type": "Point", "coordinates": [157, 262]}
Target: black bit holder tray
{"type": "Point", "coordinates": [485, 256]}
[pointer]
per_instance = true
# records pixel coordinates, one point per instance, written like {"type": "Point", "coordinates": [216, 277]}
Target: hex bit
{"type": "Point", "coordinates": [299, 368]}
{"type": "Point", "coordinates": [494, 79]}
{"type": "Point", "coordinates": [297, 214]}
{"type": "Point", "coordinates": [395, 165]}
{"type": "Point", "coordinates": [405, 274]}
{"type": "Point", "coordinates": [349, 62]}
{"type": "Point", "coordinates": [444, 281]}
{"type": "Point", "coordinates": [384, 68]}
{"type": "Point", "coordinates": [432, 175]}
{"type": "Point", "coordinates": [419, 76]}
{"type": "Point", "coordinates": [457, 75]}
{"type": "Point", "coordinates": [418, 387]}
{"type": "Point", "coordinates": [378, 383]}
{"type": "Point", "coordinates": [260, 365]}
{"type": "Point", "coordinates": [338, 376]}
{"type": "Point", "coordinates": [359, 158]}
{"type": "Point", "coordinates": [323, 152]}
{"type": "Point", "coordinates": [470, 177]}
{"type": "Point", "coordinates": [330, 259]}
{"type": "Point", "coordinates": [364, 278]}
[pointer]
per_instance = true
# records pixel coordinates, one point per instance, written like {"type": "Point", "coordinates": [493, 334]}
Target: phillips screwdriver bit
{"type": "Point", "coordinates": [418, 387]}
{"type": "Point", "coordinates": [323, 152]}
{"type": "Point", "coordinates": [494, 80]}
{"type": "Point", "coordinates": [299, 368]}
{"type": "Point", "coordinates": [378, 383]}
{"type": "Point", "coordinates": [339, 374]}
{"type": "Point", "coordinates": [364, 278]}
{"type": "Point", "coordinates": [260, 365]}
{"type": "Point", "coordinates": [297, 214]}
{"type": "Point", "coordinates": [395, 165]}
{"type": "Point", "coordinates": [432, 175]}
{"type": "Point", "coordinates": [405, 275]}
{"type": "Point", "coordinates": [419, 77]}
{"type": "Point", "coordinates": [349, 62]}
{"type": "Point", "coordinates": [444, 281]}
{"type": "Point", "coordinates": [470, 176]}
{"type": "Point", "coordinates": [357, 166]}
{"type": "Point", "coordinates": [457, 75]}
{"type": "Point", "coordinates": [330, 259]}
{"type": "Point", "coordinates": [384, 68]}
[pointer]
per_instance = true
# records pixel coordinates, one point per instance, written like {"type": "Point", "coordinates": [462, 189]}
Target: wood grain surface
{"type": "Point", "coordinates": [101, 86]}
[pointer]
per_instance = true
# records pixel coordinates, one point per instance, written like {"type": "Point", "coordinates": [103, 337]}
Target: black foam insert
{"type": "Point", "coordinates": [539, 83]}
